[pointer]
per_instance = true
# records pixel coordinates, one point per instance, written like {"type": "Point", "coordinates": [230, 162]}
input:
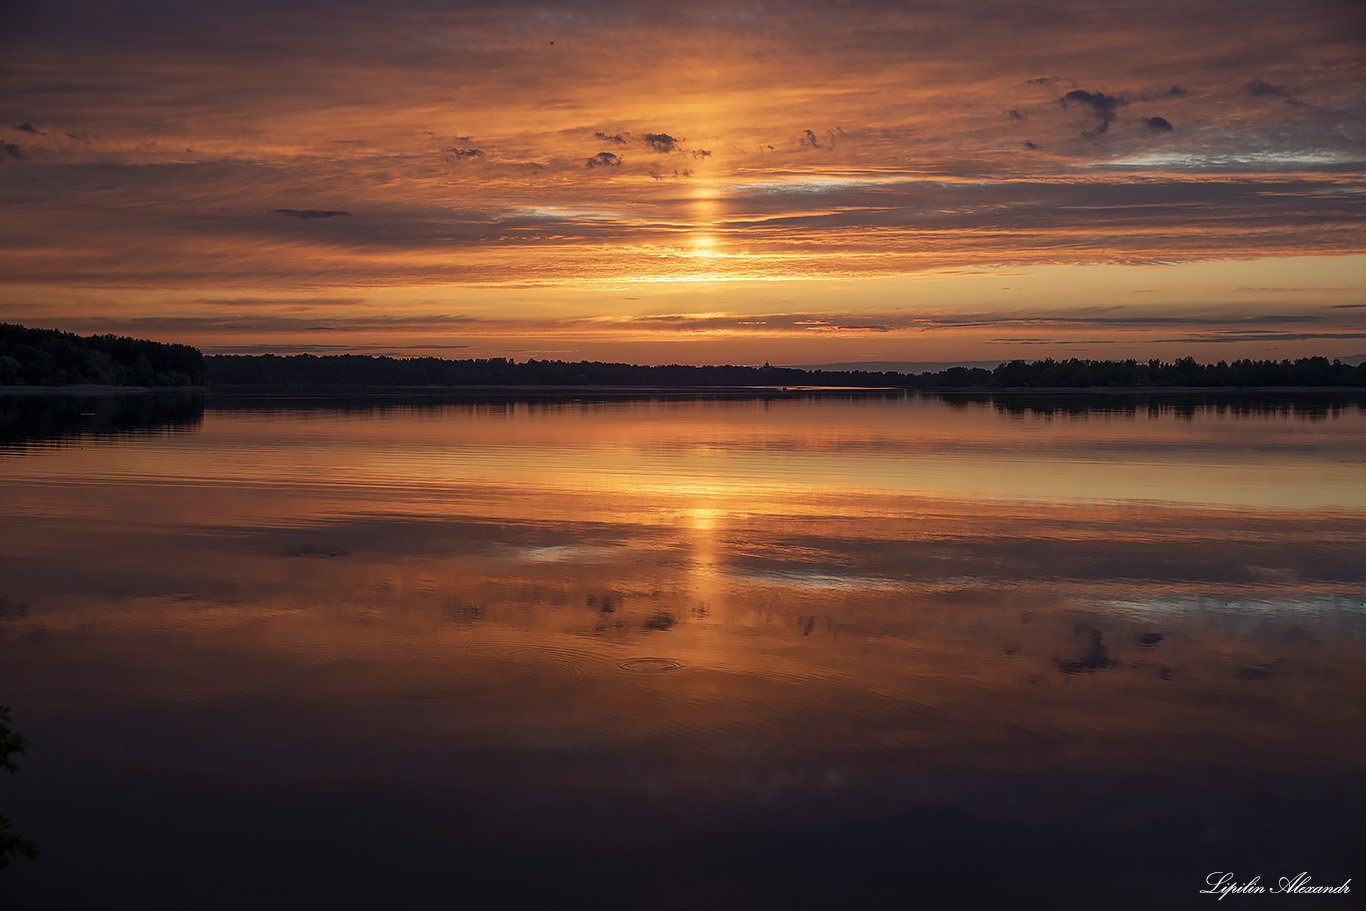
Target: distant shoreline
{"type": "Point", "coordinates": [97, 389]}
{"type": "Point", "coordinates": [1130, 390]}
{"type": "Point", "coordinates": [572, 390]}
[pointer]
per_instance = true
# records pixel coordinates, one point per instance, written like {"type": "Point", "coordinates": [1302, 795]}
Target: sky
{"type": "Point", "coordinates": [793, 182]}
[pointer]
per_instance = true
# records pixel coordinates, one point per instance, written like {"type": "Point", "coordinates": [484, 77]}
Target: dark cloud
{"type": "Point", "coordinates": [700, 153]}
{"type": "Point", "coordinates": [883, 322]}
{"type": "Point", "coordinates": [349, 348]}
{"type": "Point", "coordinates": [615, 138]}
{"type": "Point", "coordinates": [1014, 114]}
{"type": "Point", "coordinates": [1158, 124]}
{"type": "Point", "coordinates": [1030, 145]}
{"type": "Point", "coordinates": [1204, 216]}
{"type": "Point", "coordinates": [1045, 80]}
{"type": "Point", "coordinates": [12, 150]}
{"type": "Point", "coordinates": [603, 159]}
{"type": "Point", "coordinates": [1257, 336]}
{"type": "Point", "coordinates": [27, 128]}
{"type": "Point", "coordinates": [832, 138]}
{"type": "Point", "coordinates": [1103, 106]}
{"type": "Point", "coordinates": [464, 154]}
{"type": "Point", "coordinates": [1176, 91]}
{"type": "Point", "coordinates": [1258, 88]}
{"type": "Point", "coordinates": [292, 302]}
{"type": "Point", "coordinates": [312, 213]}
{"type": "Point", "coordinates": [1282, 289]}
{"type": "Point", "coordinates": [661, 142]}
{"type": "Point", "coordinates": [176, 325]}
{"type": "Point", "coordinates": [679, 174]}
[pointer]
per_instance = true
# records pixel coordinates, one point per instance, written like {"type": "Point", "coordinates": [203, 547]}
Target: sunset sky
{"type": "Point", "coordinates": [798, 182]}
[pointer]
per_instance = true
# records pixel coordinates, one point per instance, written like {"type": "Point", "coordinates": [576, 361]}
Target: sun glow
{"type": "Point", "coordinates": [706, 217]}
{"type": "Point", "coordinates": [704, 245]}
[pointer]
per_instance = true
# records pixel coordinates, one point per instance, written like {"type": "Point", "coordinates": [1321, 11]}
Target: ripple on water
{"type": "Point", "coordinates": [650, 665]}
{"type": "Point", "coordinates": [566, 663]}
{"type": "Point", "coordinates": [196, 701]}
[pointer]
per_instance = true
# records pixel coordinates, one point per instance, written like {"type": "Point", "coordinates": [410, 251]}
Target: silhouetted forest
{"type": "Point", "coordinates": [355, 369]}
{"type": "Point", "coordinates": [48, 357]}
{"type": "Point", "coordinates": [1305, 371]}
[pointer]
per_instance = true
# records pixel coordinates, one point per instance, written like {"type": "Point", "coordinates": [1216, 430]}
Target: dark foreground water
{"type": "Point", "coordinates": [771, 651]}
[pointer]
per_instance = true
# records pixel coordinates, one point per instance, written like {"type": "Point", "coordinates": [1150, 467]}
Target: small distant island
{"type": "Point", "coordinates": [48, 358]}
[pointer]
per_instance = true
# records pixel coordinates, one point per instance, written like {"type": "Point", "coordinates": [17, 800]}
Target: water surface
{"type": "Point", "coordinates": [809, 649]}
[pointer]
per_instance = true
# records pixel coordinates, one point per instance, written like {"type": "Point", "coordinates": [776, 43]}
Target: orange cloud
{"type": "Point", "coordinates": [562, 146]}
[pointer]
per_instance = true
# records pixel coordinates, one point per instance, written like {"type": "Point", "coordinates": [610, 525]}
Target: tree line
{"type": "Point", "coordinates": [366, 370]}
{"type": "Point", "coordinates": [355, 369]}
{"type": "Point", "coordinates": [48, 357]}
{"type": "Point", "coordinates": [1305, 371]}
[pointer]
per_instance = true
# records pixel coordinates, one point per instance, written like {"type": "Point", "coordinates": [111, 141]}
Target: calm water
{"type": "Point", "coordinates": [794, 650]}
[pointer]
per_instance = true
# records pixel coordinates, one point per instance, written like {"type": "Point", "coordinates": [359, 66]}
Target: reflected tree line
{"type": "Point", "coordinates": [1301, 406]}
{"type": "Point", "coordinates": [54, 418]}
{"type": "Point", "coordinates": [25, 418]}
{"type": "Point", "coordinates": [30, 419]}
